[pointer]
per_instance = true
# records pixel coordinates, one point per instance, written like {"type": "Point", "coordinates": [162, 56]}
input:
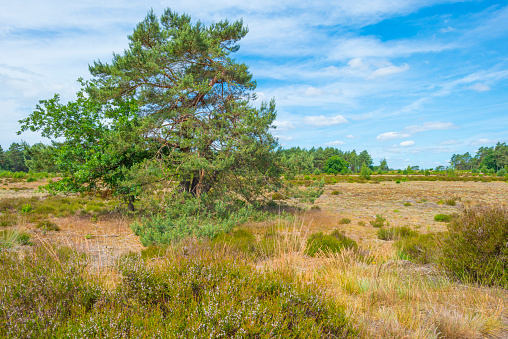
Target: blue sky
{"type": "Point", "coordinates": [412, 81]}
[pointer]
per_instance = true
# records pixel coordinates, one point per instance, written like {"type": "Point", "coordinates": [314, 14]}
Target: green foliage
{"type": "Point", "coordinates": [396, 233]}
{"type": "Point", "coordinates": [13, 238]}
{"type": "Point", "coordinates": [199, 295]}
{"type": "Point", "coordinates": [27, 208]}
{"type": "Point", "coordinates": [204, 217]}
{"type": "Point", "coordinates": [173, 111]}
{"type": "Point", "coordinates": [365, 172]}
{"type": "Point", "coordinates": [476, 248]}
{"type": "Point", "coordinates": [379, 221]}
{"type": "Point", "coordinates": [502, 172]}
{"type": "Point", "coordinates": [443, 217]}
{"type": "Point", "coordinates": [408, 204]}
{"type": "Point", "coordinates": [344, 221]}
{"type": "Point", "coordinates": [328, 243]}
{"type": "Point", "coordinates": [335, 165]}
{"type": "Point", "coordinates": [423, 249]}
{"type": "Point", "coordinates": [335, 192]}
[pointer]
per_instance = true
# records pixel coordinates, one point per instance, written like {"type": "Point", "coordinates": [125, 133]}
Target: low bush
{"type": "Point", "coordinates": [203, 295]}
{"type": "Point", "coordinates": [476, 249]}
{"type": "Point", "coordinates": [423, 249]}
{"type": "Point", "coordinates": [379, 221]}
{"type": "Point", "coordinates": [335, 192]}
{"type": "Point", "coordinates": [443, 217]}
{"type": "Point", "coordinates": [344, 221]}
{"type": "Point", "coordinates": [328, 243]}
{"type": "Point", "coordinates": [396, 233]}
{"type": "Point", "coordinates": [408, 204]}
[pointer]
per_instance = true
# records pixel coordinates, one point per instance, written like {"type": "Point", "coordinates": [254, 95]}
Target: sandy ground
{"type": "Point", "coordinates": [362, 202]}
{"type": "Point", "coordinates": [110, 236]}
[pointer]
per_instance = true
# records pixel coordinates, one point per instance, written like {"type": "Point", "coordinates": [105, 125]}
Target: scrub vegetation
{"type": "Point", "coordinates": [164, 207]}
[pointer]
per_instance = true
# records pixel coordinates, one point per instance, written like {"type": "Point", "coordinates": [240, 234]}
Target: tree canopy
{"type": "Point", "coordinates": [174, 107]}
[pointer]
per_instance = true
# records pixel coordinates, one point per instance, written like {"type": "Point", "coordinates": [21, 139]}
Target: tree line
{"type": "Point", "coordinates": [327, 160]}
{"type": "Point", "coordinates": [485, 160]}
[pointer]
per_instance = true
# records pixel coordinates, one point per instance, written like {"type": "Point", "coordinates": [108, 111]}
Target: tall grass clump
{"type": "Point", "coordinates": [476, 249]}
{"type": "Point", "coordinates": [328, 243]}
{"type": "Point", "coordinates": [395, 233]}
{"type": "Point", "coordinates": [13, 238]}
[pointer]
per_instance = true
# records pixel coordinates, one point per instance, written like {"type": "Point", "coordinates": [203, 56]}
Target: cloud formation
{"type": "Point", "coordinates": [321, 120]}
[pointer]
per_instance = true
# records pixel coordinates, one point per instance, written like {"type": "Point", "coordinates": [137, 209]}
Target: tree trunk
{"type": "Point", "coordinates": [130, 205]}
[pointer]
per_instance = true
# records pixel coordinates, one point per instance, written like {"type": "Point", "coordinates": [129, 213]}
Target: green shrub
{"type": "Point", "coordinates": [378, 222]}
{"type": "Point", "coordinates": [27, 208]}
{"type": "Point", "coordinates": [476, 249]}
{"type": "Point", "coordinates": [361, 223]}
{"type": "Point", "coordinates": [443, 217]}
{"type": "Point", "coordinates": [205, 217]}
{"type": "Point", "coordinates": [324, 243]}
{"type": "Point", "coordinates": [396, 233]}
{"type": "Point", "coordinates": [408, 204]}
{"type": "Point", "coordinates": [306, 177]}
{"type": "Point", "coordinates": [335, 192]}
{"type": "Point", "coordinates": [397, 181]}
{"type": "Point", "coordinates": [423, 249]}
{"type": "Point", "coordinates": [344, 221]}
{"type": "Point", "coordinates": [501, 172]}
{"type": "Point", "coordinates": [31, 179]}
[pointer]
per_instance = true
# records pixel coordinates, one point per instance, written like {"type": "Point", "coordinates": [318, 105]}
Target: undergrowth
{"type": "Point", "coordinates": [51, 294]}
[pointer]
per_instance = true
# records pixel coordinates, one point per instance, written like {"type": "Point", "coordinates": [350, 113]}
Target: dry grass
{"type": "Point", "coordinates": [393, 298]}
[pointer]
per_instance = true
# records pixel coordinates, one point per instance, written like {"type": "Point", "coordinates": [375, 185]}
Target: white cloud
{"type": "Point", "coordinates": [350, 136]}
{"type": "Point", "coordinates": [284, 125]}
{"type": "Point", "coordinates": [321, 120]}
{"type": "Point", "coordinates": [430, 126]}
{"type": "Point", "coordinates": [367, 46]}
{"type": "Point", "coordinates": [480, 87]}
{"type": "Point", "coordinates": [384, 71]}
{"type": "Point", "coordinates": [450, 142]}
{"type": "Point", "coordinates": [447, 29]}
{"type": "Point", "coordinates": [392, 135]}
{"type": "Point", "coordinates": [335, 143]}
{"type": "Point", "coordinates": [407, 143]}
{"type": "Point", "coordinates": [283, 137]}
{"type": "Point", "coordinates": [410, 130]}
{"type": "Point", "coordinates": [482, 141]}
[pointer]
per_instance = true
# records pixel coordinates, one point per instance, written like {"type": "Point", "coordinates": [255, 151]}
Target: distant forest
{"type": "Point", "coordinates": [22, 157]}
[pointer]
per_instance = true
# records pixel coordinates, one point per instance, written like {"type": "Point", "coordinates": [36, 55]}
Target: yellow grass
{"type": "Point", "coordinates": [391, 298]}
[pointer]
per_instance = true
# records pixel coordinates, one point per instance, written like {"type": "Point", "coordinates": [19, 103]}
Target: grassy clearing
{"type": "Point", "coordinates": [398, 288]}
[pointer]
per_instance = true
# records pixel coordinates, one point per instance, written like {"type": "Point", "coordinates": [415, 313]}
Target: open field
{"type": "Point", "coordinates": [382, 294]}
